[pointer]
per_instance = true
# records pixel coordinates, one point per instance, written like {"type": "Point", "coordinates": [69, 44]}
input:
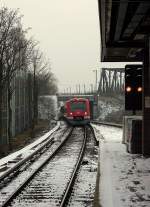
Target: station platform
{"type": "Point", "coordinates": [124, 179]}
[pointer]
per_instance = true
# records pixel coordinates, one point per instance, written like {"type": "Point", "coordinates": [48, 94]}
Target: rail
{"type": "Point", "coordinates": [30, 177]}
{"type": "Point", "coordinates": [71, 183]}
{"type": "Point", "coordinates": [17, 166]}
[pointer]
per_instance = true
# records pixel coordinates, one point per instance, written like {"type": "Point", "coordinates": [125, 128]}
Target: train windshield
{"type": "Point", "coordinates": [78, 106]}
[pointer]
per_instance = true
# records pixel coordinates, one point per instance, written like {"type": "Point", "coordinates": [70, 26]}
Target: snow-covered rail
{"type": "Point", "coordinates": [83, 191]}
{"type": "Point", "coordinates": [57, 174]}
{"type": "Point", "coordinates": [11, 185]}
{"type": "Point", "coordinates": [14, 161]}
{"type": "Point", "coordinates": [45, 173]}
{"type": "Point", "coordinates": [74, 173]}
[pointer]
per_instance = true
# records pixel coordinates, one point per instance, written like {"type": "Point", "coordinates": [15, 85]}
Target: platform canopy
{"type": "Point", "coordinates": [124, 25]}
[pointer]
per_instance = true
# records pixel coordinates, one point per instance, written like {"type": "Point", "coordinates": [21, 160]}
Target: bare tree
{"type": "Point", "coordinates": [47, 83]}
{"type": "Point", "coordinates": [35, 67]}
{"type": "Point", "coordinates": [16, 59]}
{"type": "Point", "coordinates": [15, 51]}
{"type": "Point", "coordinates": [8, 20]}
{"type": "Point", "coordinates": [18, 53]}
{"type": "Point", "coordinates": [43, 79]}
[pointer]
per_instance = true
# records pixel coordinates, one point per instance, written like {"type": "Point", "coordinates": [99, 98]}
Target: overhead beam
{"type": "Point", "coordinates": [121, 18]}
{"type": "Point", "coordinates": [143, 30]}
{"type": "Point", "coordinates": [126, 44]}
{"type": "Point", "coordinates": [101, 5]}
{"type": "Point", "coordinates": [108, 18]}
{"type": "Point", "coordinates": [137, 18]}
{"type": "Point", "coordinates": [114, 69]}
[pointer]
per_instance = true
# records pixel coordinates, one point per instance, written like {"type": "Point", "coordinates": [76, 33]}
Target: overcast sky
{"type": "Point", "coordinates": [69, 35]}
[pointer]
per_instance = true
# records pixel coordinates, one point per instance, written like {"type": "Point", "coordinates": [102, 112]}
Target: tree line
{"type": "Point", "coordinates": [18, 52]}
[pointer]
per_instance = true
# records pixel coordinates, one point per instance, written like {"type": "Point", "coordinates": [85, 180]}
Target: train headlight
{"type": "Point", "coordinates": [85, 113]}
{"type": "Point", "coordinates": [71, 113]}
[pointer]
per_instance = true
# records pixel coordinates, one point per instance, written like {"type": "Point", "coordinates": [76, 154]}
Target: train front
{"type": "Point", "coordinates": [78, 111]}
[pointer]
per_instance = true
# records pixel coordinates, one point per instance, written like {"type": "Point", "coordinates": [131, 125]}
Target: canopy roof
{"type": "Point", "coordinates": [124, 25]}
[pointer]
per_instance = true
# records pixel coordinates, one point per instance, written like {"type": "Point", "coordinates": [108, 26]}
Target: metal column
{"type": "Point", "coordinates": [146, 99]}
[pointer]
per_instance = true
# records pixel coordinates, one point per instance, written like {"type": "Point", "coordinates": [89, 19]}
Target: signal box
{"type": "Point", "coordinates": [133, 87]}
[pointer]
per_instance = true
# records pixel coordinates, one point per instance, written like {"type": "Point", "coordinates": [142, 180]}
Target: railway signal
{"type": "Point", "coordinates": [133, 87]}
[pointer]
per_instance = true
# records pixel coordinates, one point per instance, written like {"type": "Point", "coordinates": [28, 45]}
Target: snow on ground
{"type": "Point", "coordinates": [125, 178]}
{"type": "Point", "coordinates": [26, 151]}
{"type": "Point", "coordinates": [107, 108]}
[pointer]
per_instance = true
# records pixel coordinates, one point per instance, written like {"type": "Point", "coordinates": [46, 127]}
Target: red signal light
{"type": "Point", "coordinates": [139, 89]}
{"type": "Point", "coordinates": [128, 89]}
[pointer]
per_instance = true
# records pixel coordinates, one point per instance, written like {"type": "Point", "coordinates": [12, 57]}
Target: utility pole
{"type": "Point", "coordinates": [76, 89]}
{"type": "Point", "coordinates": [91, 88]}
{"type": "Point", "coordinates": [95, 80]}
{"type": "Point", "coordinates": [84, 89]}
{"type": "Point", "coordinates": [79, 89]}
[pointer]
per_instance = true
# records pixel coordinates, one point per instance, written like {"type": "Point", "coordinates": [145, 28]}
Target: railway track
{"type": "Point", "coordinates": [15, 180]}
{"type": "Point", "coordinates": [13, 163]}
{"type": "Point", "coordinates": [83, 190]}
{"type": "Point", "coordinates": [51, 180]}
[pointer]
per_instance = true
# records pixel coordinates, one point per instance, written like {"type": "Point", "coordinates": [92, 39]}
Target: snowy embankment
{"type": "Point", "coordinates": [125, 178]}
{"type": "Point", "coordinates": [11, 160]}
{"type": "Point", "coordinates": [110, 109]}
{"type": "Point", "coordinates": [106, 108]}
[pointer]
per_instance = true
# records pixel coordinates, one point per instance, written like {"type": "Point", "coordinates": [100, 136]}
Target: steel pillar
{"type": "Point", "coordinates": [146, 99]}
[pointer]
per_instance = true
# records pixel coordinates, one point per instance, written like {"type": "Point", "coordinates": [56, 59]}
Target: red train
{"type": "Point", "coordinates": [77, 111]}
